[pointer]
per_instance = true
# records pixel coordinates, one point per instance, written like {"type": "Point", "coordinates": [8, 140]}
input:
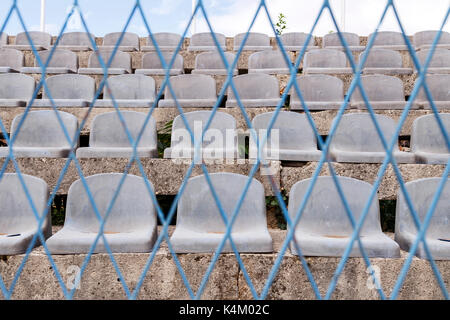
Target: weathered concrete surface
{"type": "Point", "coordinates": [322, 119]}
{"type": "Point", "coordinates": [366, 172]}
{"type": "Point", "coordinates": [166, 175]}
{"type": "Point", "coordinates": [163, 280]}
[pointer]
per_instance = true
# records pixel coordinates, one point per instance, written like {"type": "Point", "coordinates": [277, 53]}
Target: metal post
{"type": "Point", "coordinates": [343, 5]}
{"type": "Point", "coordinates": [43, 15]}
{"type": "Point", "coordinates": [194, 20]}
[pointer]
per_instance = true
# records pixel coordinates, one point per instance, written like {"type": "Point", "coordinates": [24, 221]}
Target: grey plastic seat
{"type": "Point", "coordinates": [326, 61]}
{"type": "Point", "coordinates": [332, 41]}
{"type": "Point", "coordinates": [166, 42]}
{"type": "Point", "coordinates": [255, 90]}
{"type": "Point", "coordinates": [425, 39]}
{"type": "Point", "coordinates": [16, 89]}
{"type": "Point", "coordinates": [384, 61]}
{"type": "Point", "coordinates": [294, 41]}
{"type": "Point", "coordinates": [121, 63]}
{"type": "Point", "coordinates": [129, 90]}
{"type": "Point", "coordinates": [422, 193]}
{"type": "Point", "coordinates": [383, 92]}
{"type": "Point", "coordinates": [18, 223]}
{"type": "Point", "coordinates": [11, 60]}
{"type": "Point", "coordinates": [320, 92]}
{"type": "Point", "coordinates": [108, 138]}
{"type": "Point", "coordinates": [3, 39]}
{"type": "Point", "coordinates": [440, 62]}
{"type": "Point", "coordinates": [152, 66]}
{"type": "Point", "coordinates": [204, 42]}
{"type": "Point", "coordinates": [68, 90]}
{"type": "Point", "coordinates": [76, 41]}
{"type": "Point", "coordinates": [200, 227]}
{"type": "Point", "coordinates": [291, 139]}
{"type": "Point", "coordinates": [325, 229]}
{"type": "Point", "coordinates": [211, 63]}
{"type": "Point", "coordinates": [390, 40]}
{"type": "Point", "coordinates": [220, 140]}
{"type": "Point", "coordinates": [129, 43]}
{"type": "Point", "coordinates": [41, 135]}
{"type": "Point", "coordinates": [130, 226]}
{"type": "Point", "coordinates": [255, 42]}
{"type": "Point", "coordinates": [356, 140]}
{"type": "Point", "coordinates": [268, 61]}
{"type": "Point", "coordinates": [191, 90]}
{"type": "Point", "coordinates": [61, 62]}
{"type": "Point", "coordinates": [428, 142]}
{"type": "Point", "coordinates": [438, 84]}
{"type": "Point", "coordinates": [40, 40]}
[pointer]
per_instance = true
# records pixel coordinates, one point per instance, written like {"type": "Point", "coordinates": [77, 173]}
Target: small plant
{"type": "Point", "coordinates": [281, 25]}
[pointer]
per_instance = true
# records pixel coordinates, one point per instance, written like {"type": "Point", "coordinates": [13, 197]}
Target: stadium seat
{"type": "Point", "coordinates": [389, 40]}
{"type": "Point", "coordinates": [205, 42]}
{"type": "Point", "coordinates": [255, 90]}
{"type": "Point", "coordinates": [129, 43]}
{"type": "Point", "coordinates": [326, 61]}
{"type": "Point", "coordinates": [211, 63]}
{"type": "Point", "coordinates": [121, 63]}
{"type": "Point", "coordinates": [76, 41]}
{"type": "Point", "coordinates": [191, 90]}
{"type": "Point", "coordinates": [427, 140]}
{"type": "Point", "coordinates": [356, 140]}
{"type": "Point", "coordinates": [108, 138]}
{"type": "Point", "coordinates": [40, 40]}
{"type": "Point", "coordinates": [384, 61]}
{"type": "Point", "coordinates": [425, 39]}
{"type": "Point", "coordinates": [19, 223]}
{"type": "Point", "coordinates": [422, 192]}
{"type": "Point", "coordinates": [438, 84]}
{"type": "Point", "coordinates": [200, 227]}
{"type": "Point", "coordinates": [268, 61]}
{"type": "Point", "coordinates": [325, 229]}
{"type": "Point", "coordinates": [332, 41]}
{"type": "Point", "coordinates": [41, 135]}
{"type": "Point", "coordinates": [68, 90]}
{"type": "Point", "coordinates": [11, 60]}
{"type": "Point", "coordinates": [440, 61]}
{"type": "Point", "coordinates": [166, 42]}
{"type": "Point", "coordinates": [319, 91]}
{"type": "Point", "coordinates": [131, 223]}
{"type": "Point", "coordinates": [255, 42]}
{"type": "Point", "coordinates": [61, 62]}
{"type": "Point", "coordinates": [291, 138]}
{"type": "Point", "coordinates": [152, 66]}
{"type": "Point", "coordinates": [16, 89]}
{"type": "Point", "coordinates": [294, 41]}
{"type": "Point", "coordinates": [220, 140]}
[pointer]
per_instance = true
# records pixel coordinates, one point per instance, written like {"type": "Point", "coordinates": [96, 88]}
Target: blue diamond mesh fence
{"type": "Point", "coordinates": [230, 218]}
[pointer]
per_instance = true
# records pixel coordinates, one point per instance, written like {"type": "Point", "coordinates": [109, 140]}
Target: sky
{"type": "Point", "coordinates": [229, 17]}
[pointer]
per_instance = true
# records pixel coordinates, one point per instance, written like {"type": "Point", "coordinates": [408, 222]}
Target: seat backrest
{"type": "Point", "coordinates": [197, 210]}
{"type": "Point", "coordinates": [107, 130]}
{"type": "Point", "coordinates": [212, 60]}
{"type": "Point", "coordinates": [296, 39]}
{"type": "Point", "coordinates": [37, 37]}
{"type": "Point", "coordinates": [16, 86]}
{"type": "Point", "coordinates": [387, 38]}
{"type": "Point", "coordinates": [151, 60]}
{"type": "Point", "coordinates": [268, 59]}
{"type": "Point", "coordinates": [197, 121]}
{"type": "Point", "coordinates": [42, 129]}
{"type": "Point", "coordinates": [380, 88]}
{"type": "Point", "coordinates": [165, 39]}
{"type": "Point", "coordinates": [70, 86]}
{"type": "Point", "coordinates": [255, 86]}
{"type": "Point", "coordinates": [254, 39]}
{"type": "Point", "coordinates": [129, 39]}
{"type": "Point", "coordinates": [426, 135]}
{"type": "Point", "coordinates": [133, 209]}
{"type": "Point", "coordinates": [383, 58]}
{"type": "Point", "coordinates": [11, 58]}
{"type": "Point", "coordinates": [427, 38]}
{"type": "Point", "coordinates": [325, 214]}
{"type": "Point", "coordinates": [76, 39]}
{"type": "Point", "coordinates": [121, 59]}
{"type": "Point", "coordinates": [16, 212]}
{"type": "Point", "coordinates": [60, 59]}
{"type": "Point", "coordinates": [294, 130]}
{"type": "Point", "coordinates": [333, 40]}
{"type": "Point", "coordinates": [356, 132]}
{"type": "Point", "coordinates": [130, 87]}
{"type": "Point", "coordinates": [422, 193]}
{"type": "Point", "coordinates": [192, 86]}
{"type": "Point", "coordinates": [205, 39]}
{"type": "Point", "coordinates": [325, 58]}
{"type": "Point", "coordinates": [438, 84]}
{"type": "Point", "coordinates": [319, 87]}
{"type": "Point", "coordinates": [440, 58]}
{"type": "Point", "coordinates": [3, 39]}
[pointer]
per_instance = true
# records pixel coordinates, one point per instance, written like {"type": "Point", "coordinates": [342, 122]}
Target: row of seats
{"type": "Point", "coordinates": [291, 139]}
{"type": "Point", "coordinates": [323, 61]}
{"type": "Point", "coordinates": [293, 41]}
{"type": "Point", "coordinates": [324, 228]}
{"type": "Point", "coordinates": [320, 92]}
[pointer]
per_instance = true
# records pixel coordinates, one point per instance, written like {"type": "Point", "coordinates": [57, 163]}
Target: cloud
{"type": "Point", "coordinates": [165, 7]}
